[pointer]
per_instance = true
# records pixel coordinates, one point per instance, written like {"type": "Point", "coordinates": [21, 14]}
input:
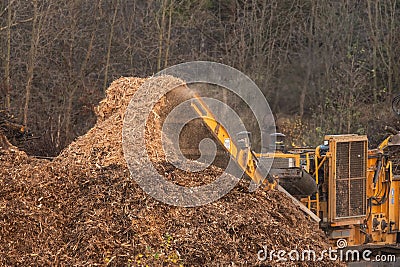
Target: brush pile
{"type": "Point", "coordinates": [84, 209]}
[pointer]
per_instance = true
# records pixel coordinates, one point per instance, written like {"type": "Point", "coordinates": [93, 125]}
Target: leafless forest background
{"type": "Point", "coordinates": [325, 66]}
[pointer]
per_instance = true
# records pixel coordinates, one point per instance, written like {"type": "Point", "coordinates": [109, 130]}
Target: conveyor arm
{"type": "Point", "coordinates": [243, 157]}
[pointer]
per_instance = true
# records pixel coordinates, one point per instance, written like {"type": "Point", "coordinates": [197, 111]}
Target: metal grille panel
{"type": "Point", "coordinates": [342, 198]}
{"type": "Point", "coordinates": [357, 204]}
{"type": "Point", "coordinates": [357, 160]}
{"type": "Point", "coordinates": [280, 163]}
{"type": "Point", "coordinates": [342, 161]}
{"type": "Point", "coordinates": [351, 179]}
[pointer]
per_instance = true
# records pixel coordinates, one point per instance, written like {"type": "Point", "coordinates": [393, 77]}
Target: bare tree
{"type": "Point", "coordinates": [39, 16]}
{"type": "Point", "coordinates": [110, 44]}
{"type": "Point", "coordinates": [8, 56]}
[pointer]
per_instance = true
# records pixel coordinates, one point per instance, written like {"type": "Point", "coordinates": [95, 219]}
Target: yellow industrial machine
{"type": "Point", "coordinates": [352, 191]}
{"type": "Point", "coordinates": [358, 195]}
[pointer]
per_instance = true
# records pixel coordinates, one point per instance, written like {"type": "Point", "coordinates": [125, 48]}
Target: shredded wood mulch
{"type": "Point", "coordinates": [84, 209]}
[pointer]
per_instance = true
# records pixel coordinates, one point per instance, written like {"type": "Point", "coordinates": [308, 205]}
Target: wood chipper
{"type": "Point", "coordinates": [352, 191]}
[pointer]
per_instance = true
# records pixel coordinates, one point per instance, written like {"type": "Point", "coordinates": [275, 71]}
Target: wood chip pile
{"type": "Point", "coordinates": [83, 208]}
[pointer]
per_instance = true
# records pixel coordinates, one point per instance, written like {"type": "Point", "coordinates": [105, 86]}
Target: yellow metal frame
{"type": "Point", "coordinates": [244, 158]}
{"type": "Point", "coordinates": [333, 141]}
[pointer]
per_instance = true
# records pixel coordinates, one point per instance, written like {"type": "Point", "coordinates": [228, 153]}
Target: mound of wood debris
{"type": "Point", "coordinates": [84, 209]}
